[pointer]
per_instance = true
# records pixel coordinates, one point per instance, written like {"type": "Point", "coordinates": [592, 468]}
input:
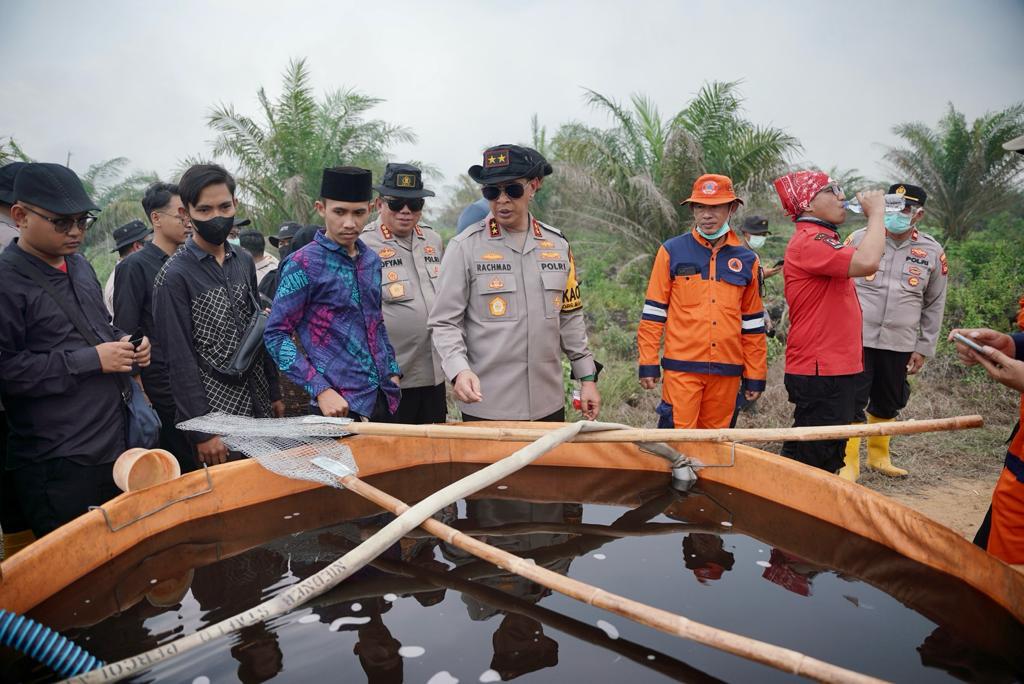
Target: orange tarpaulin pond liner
{"type": "Point", "coordinates": [53, 563]}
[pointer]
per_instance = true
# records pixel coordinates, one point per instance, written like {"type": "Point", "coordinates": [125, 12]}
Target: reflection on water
{"type": "Point", "coordinates": [428, 611]}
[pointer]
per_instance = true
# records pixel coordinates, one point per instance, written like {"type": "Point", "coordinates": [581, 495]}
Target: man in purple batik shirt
{"type": "Point", "coordinates": [329, 295]}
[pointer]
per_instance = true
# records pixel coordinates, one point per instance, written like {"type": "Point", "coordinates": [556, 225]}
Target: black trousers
{"type": "Point", "coordinates": [11, 517]}
{"type": "Point", "coordinates": [57, 491]}
{"type": "Point", "coordinates": [422, 406]}
{"type": "Point", "coordinates": [882, 387]}
{"type": "Point", "coordinates": [174, 440]}
{"type": "Point", "coordinates": [820, 400]}
{"type": "Point", "coordinates": [556, 417]}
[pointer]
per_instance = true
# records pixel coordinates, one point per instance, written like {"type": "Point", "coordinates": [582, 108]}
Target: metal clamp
{"type": "Point", "coordinates": [112, 528]}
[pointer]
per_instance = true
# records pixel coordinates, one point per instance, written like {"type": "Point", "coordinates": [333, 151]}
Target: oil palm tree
{"type": "Point", "coordinates": [628, 179]}
{"type": "Point", "coordinates": [280, 157]}
{"type": "Point", "coordinates": [965, 170]}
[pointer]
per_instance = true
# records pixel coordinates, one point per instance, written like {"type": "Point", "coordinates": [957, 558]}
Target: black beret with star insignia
{"type": "Point", "coordinates": [503, 163]}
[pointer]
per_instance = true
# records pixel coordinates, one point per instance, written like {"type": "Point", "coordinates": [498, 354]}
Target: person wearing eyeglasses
{"type": "Point", "coordinates": [63, 394]}
{"type": "Point", "coordinates": [824, 347]}
{"type": "Point", "coordinates": [903, 303]}
{"type": "Point", "coordinates": [410, 255]}
{"type": "Point", "coordinates": [508, 304]}
{"type": "Point", "coordinates": [133, 307]}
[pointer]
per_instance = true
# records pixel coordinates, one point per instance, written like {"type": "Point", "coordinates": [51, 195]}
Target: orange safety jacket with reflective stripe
{"type": "Point", "coordinates": [707, 302]}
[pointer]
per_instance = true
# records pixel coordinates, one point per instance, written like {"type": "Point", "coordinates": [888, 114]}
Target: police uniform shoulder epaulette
{"type": "Point", "coordinates": [552, 229]}
{"type": "Point", "coordinates": [925, 237]}
{"type": "Point", "coordinates": [470, 230]}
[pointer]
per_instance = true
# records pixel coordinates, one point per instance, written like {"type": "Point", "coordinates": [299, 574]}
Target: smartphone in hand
{"type": "Point", "coordinates": [970, 344]}
{"type": "Point", "coordinates": [136, 341]}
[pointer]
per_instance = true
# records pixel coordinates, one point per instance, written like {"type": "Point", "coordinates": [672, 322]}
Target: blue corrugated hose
{"type": "Point", "coordinates": [43, 644]}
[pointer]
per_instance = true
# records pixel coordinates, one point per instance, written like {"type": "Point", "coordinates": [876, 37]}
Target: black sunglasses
{"type": "Point", "coordinates": [399, 203]}
{"type": "Point", "coordinates": [493, 192]}
{"type": "Point", "coordinates": [64, 225]}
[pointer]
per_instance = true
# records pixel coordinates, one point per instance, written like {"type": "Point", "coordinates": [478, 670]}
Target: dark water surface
{"type": "Point", "coordinates": [427, 612]}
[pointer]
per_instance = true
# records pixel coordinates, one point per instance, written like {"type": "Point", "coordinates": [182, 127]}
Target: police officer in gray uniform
{"type": "Point", "coordinates": [410, 255]}
{"type": "Point", "coordinates": [508, 304]}
{"type": "Point", "coordinates": [903, 304]}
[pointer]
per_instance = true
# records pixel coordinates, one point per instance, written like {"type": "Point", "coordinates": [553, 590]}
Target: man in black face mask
{"type": "Point", "coordinates": [204, 307]}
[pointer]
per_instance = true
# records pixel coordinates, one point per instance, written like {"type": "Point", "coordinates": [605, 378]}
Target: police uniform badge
{"type": "Point", "coordinates": [498, 307]}
{"type": "Point", "coordinates": [396, 290]}
{"type": "Point", "coordinates": [496, 283]}
{"type": "Point", "coordinates": [385, 232]}
{"type": "Point", "coordinates": [571, 299]}
{"type": "Point", "coordinates": [419, 231]}
{"type": "Point", "coordinates": [495, 158]}
{"type": "Point", "coordinates": [944, 263]}
{"type": "Point", "coordinates": [386, 253]}
{"type": "Point", "coordinates": [492, 226]}
{"type": "Point", "coordinates": [536, 230]}
{"type": "Point", "coordinates": [392, 276]}
{"type": "Point", "coordinates": [405, 180]}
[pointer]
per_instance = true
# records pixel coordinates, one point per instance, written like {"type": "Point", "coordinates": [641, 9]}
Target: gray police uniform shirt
{"type": "Point", "coordinates": [904, 300]}
{"type": "Point", "coordinates": [508, 313]}
{"type": "Point", "coordinates": [408, 277]}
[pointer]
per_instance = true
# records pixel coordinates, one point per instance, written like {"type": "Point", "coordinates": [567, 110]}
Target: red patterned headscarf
{"type": "Point", "coordinates": [797, 189]}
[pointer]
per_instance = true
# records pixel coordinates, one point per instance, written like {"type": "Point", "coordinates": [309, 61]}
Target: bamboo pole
{"type": "Point", "coordinates": [797, 434]}
{"type": "Point", "coordinates": [315, 585]}
{"type": "Point", "coordinates": [778, 657]}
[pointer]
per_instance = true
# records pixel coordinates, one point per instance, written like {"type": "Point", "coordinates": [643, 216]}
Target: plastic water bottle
{"type": "Point", "coordinates": [893, 204]}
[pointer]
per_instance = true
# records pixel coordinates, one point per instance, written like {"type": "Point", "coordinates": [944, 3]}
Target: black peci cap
{"type": "Point", "coordinates": [911, 193]}
{"type": "Point", "coordinates": [402, 180]}
{"type": "Point", "coordinates": [7, 175]}
{"type": "Point", "coordinates": [503, 163]}
{"type": "Point", "coordinates": [52, 187]}
{"type": "Point", "coordinates": [133, 231]}
{"type": "Point", "coordinates": [347, 184]}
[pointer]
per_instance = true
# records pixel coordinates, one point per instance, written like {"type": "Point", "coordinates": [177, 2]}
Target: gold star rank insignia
{"type": "Point", "coordinates": [495, 158]}
{"type": "Point", "coordinates": [493, 228]}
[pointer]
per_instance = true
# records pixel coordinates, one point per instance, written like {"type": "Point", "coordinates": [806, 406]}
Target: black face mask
{"type": "Point", "coordinates": [215, 231]}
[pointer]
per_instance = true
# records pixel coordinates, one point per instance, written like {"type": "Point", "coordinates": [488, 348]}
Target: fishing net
{"type": "Point", "coordinates": [303, 448]}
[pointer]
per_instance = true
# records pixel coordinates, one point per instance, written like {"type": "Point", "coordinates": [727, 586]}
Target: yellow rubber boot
{"type": "Point", "coordinates": [851, 468]}
{"type": "Point", "coordinates": [878, 451]}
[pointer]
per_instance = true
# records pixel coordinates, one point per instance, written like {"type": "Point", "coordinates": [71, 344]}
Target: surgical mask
{"type": "Point", "coordinates": [897, 223]}
{"type": "Point", "coordinates": [717, 234]}
{"type": "Point", "coordinates": [216, 230]}
{"type": "Point", "coordinates": [235, 241]}
{"type": "Point", "coordinates": [757, 241]}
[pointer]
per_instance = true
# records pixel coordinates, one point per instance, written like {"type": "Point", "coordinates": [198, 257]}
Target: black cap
{"type": "Point", "coordinates": [912, 194]}
{"type": "Point", "coordinates": [239, 222]}
{"type": "Point", "coordinates": [285, 232]}
{"type": "Point", "coordinates": [755, 225]}
{"type": "Point", "coordinates": [52, 187]}
{"type": "Point", "coordinates": [133, 231]}
{"type": "Point", "coordinates": [347, 184]}
{"type": "Point", "coordinates": [503, 163]}
{"type": "Point", "coordinates": [402, 180]}
{"type": "Point", "coordinates": [7, 175]}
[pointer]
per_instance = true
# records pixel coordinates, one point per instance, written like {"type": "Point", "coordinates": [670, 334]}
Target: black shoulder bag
{"type": "Point", "coordinates": [142, 427]}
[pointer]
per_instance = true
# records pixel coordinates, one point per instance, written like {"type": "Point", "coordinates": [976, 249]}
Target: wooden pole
{"type": "Point", "coordinates": [780, 658]}
{"type": "Point", "coordinates": [798, 434]}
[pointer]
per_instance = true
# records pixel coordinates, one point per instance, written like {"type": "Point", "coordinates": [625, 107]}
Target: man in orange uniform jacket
{"type": "Point", "coordinates": [704, 296]}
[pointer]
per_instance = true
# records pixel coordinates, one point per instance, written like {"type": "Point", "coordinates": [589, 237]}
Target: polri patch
{"type": "Point", "coordinates": [498, 307]}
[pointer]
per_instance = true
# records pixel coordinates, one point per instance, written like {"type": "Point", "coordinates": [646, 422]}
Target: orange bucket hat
{"type": "Point", "coordinates": [712, 189]}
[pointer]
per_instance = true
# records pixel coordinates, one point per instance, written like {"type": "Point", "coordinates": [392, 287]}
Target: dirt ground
{"type": "Point", "coordinates": [959, 504]}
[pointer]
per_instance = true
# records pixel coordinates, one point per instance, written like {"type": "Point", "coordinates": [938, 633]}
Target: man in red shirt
{"type": "Point", "coordinates": [824, 351]}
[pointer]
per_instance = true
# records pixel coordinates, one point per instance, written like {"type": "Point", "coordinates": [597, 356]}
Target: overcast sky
{"type": "Point", "coordinates": [102, 79]}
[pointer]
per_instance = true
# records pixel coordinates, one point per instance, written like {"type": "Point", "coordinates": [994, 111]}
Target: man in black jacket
{"type": "Point", "coordinates": [63, 395]}
{"type": "Point", "coordinates": [133, 307]}
{"type": "Point", "coordinates": [205, 302]}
